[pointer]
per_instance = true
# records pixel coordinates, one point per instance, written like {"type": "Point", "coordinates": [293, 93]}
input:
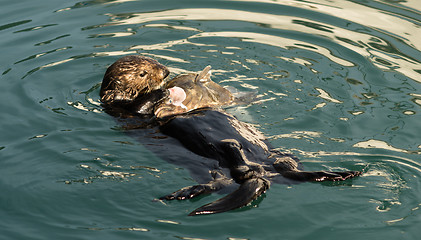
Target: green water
{"type": "Point", "coordinates": [338, 85]}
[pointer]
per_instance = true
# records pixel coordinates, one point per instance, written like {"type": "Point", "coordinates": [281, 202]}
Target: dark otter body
{"type": "Point", "coordinates": [232, 152]}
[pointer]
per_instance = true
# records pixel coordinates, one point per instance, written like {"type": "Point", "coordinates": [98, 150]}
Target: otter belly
{"type": "Point", "coordinates": [205, 133]}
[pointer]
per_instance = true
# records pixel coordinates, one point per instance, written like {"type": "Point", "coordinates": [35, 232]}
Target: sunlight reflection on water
{"type": "Point", "coordinates": [336, 83]}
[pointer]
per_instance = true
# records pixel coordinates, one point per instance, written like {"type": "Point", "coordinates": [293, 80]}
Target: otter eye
{"type": "Point", "coordinates": [143, 73]}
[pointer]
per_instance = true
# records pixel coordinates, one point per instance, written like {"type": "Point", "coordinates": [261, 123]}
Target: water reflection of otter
{"type": "Point", "coordinates": [132, 87]}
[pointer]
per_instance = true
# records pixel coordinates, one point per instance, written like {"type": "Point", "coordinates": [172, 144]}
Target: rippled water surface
{"type": "Point", "coordinates": [337, 84]}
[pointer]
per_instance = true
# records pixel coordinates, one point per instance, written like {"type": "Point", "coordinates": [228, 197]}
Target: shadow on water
{"type": "Point", "coordinates": [337, 84]}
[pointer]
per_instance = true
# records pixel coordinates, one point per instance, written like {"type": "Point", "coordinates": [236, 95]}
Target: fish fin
{"type": "Point", "coordinates": [204, 75]}
{"type": "Point", "coordinates": [246, 193]}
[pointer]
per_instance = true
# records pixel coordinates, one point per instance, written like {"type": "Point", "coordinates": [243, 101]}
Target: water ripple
{"type": "Point", "coordinates": [377, 43]}
{"type": "Point", "coordinates": [336, 83]}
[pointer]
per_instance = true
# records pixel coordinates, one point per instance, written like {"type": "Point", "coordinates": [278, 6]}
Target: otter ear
{"type": "Point", "coordinates": [204, 75]}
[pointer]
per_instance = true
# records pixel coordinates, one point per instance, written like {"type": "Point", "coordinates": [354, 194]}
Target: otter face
{"type": "Point", "coordinates": [131, 76]}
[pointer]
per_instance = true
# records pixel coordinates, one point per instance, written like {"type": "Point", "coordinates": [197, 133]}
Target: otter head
{"type": "Point", "coordinates": [192, 91]}
{"type": "Point", "coordinates": [130, 77]}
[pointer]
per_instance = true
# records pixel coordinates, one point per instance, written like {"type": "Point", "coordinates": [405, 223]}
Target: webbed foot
{"type": "Point", "coordinates": [188, 192]}
{"type": "Point", "coordinates": [219, 182]}
{"type": "Point", "coordinates": [288, 167]}
{"type": "Point", "coordinates": [320, 176]}
{"type": "Point", "coordinates": [248, 191]}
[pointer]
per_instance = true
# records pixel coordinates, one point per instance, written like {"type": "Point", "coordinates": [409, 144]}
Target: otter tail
{"type": "Point", "coordinates": [247, 192]}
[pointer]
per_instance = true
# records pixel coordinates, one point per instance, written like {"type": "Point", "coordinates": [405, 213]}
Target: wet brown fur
{"type": "Point", "coordinates": [130, 76]}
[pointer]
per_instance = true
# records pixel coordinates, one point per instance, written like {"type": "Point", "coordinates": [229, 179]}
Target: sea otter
{"type": "Point", "coordinates": [188, 108]}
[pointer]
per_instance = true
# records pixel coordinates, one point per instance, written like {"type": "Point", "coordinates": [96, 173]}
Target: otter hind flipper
{"type": "Point", "coordinates": [188, 192]}
{"type": "Point", "coordinates": [320, 176]}
{"type": "Point", "coordinates": [220, 181]}
{"type": "Point", "coordinates": [287, 166]}
{"type": "Point", "coordinates": [247, 192]}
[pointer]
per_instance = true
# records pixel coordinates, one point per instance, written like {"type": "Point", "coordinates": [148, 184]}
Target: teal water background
{"type": "Point", "coordinates": [338, 85]}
